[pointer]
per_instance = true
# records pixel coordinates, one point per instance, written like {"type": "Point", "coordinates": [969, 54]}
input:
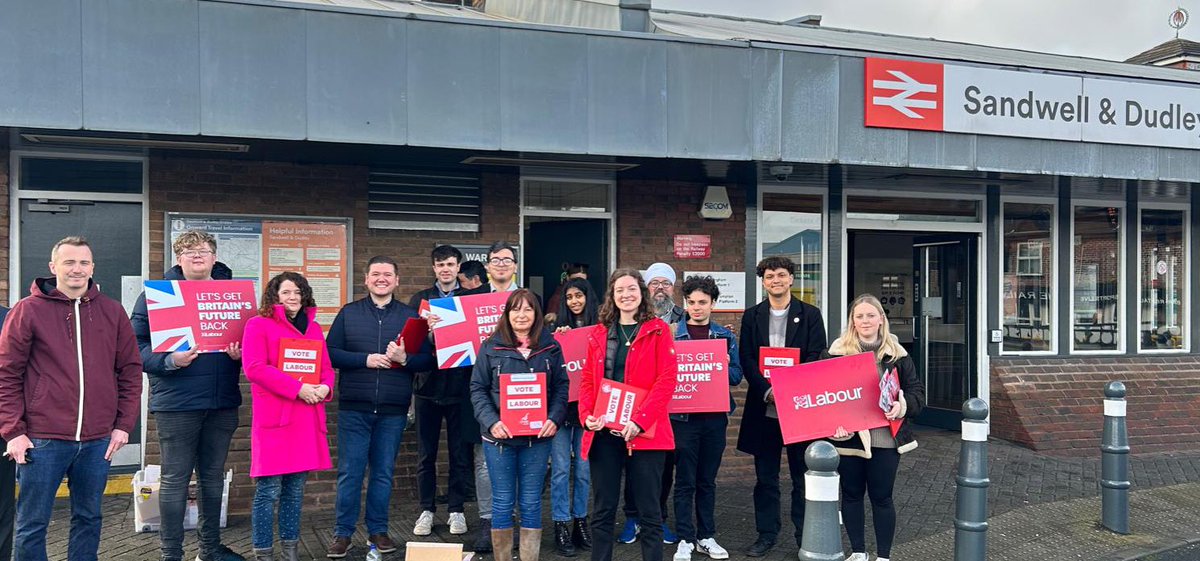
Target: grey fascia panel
{"type": "Point", "coordinates": [627, 97]}
{"type": "Point", "coordinates": [1009, 154]}
{"type": "Point", "coordinates": [1178, 165]}
{"type": "Point", "coordinates": [252, 71]}
{"type": "Point", "coordinates": [41, 83]}
{"type": "Point", "coordinates": [941, 150]}
{"type": "Point", "coordinates": [1128, 162]}
{"type": "Point", "coordinates": [141, 66]}
{"type": "Point", "coordinates": [708, 101]}
{"type": "Point", "coordinates": [856, 143]}
{"type": "Point", "coordinates": [811, 103]}
{"type": "Point", "coordinates": [1079, 159]}
{"type": "Point", "coordinates": [766, 103]}
{"type": "Point", "coordinates": [543, 91]}
{"type": "Point", "coordinates": [453, 77]}
{"type": "Point", "coordinates": [357, 89]}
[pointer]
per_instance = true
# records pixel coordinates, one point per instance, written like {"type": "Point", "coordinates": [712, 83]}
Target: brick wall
{"type": "Point", "coordinates": [650, 213]}
{"type": "Point", "coordinates": [1056, 404]}
{"type": "Point", "coordinates": [224, 186]}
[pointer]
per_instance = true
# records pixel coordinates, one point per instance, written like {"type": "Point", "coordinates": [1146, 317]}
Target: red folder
{"type": "Point", "coordinates": [523, 403]}
{"type": "Point", "coordinates": [775, 358]}
{"type": "Point", "coordinates": [616, 404]}
{"type": "Point", "coordinates": [415, 331]}
{"type": "Point", "coordinates": [301, 359]}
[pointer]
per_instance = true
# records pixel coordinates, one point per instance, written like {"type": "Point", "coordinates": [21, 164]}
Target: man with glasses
{"type": "Point", "coordinates": [660, 279]}
{"type": "Point", "coordinates": [194, 398]}
{"type": "Point", "coordinates": [502, 267]}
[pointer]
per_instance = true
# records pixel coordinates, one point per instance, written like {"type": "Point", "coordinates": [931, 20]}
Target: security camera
{"type": "Point", "coordinates": [781, 172]}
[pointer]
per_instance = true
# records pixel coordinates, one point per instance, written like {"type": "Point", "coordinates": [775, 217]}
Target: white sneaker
{"type": "Point", "coordinates": [711, 548]}
{"type": "Point", "coordinates": [684, 551]}
{"type": "Point", "coordinates": [458, 523]}
{"type": "Point", "coordinates": [858, 557]}
{"type": "Point", "coordinates": [882, 559]}
{"type": "Point", "coordinates": [424, 525]}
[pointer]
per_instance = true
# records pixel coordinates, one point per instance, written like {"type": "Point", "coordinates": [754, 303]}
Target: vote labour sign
{"type": "Point", "coordinates": [702, 382]}
{"type": "Point", "coordinates": [617, 403]}
{"type": "Point", "coordinates": [301, 359]}
{"type": "Point", "coordinates": [771, 359]}
{"type": "Point", "coordinates": [202, 315]}
{"type": "Point", "coordinates": [814, 399]}
{"type": "Point", "coordinates": [466, 321]}
{"type": "Point", "coordinates": [574, 344]}
{"type": "Point", "coordinates": [523, 403]}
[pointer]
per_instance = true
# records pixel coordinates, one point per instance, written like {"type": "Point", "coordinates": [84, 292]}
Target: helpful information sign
{"type": "Point", "coordinates": [466, 321]}
{"type": "Point", "coordinates": [814, 399]}
{"type": "Point", "coordinates": [702, 382]}
{"type": "Point", "coordinates": [933, 96]}
{"type": "Point", "coordinates": [202, 315]}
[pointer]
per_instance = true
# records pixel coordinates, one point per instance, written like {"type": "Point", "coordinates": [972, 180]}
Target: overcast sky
{"type": "Point", "coordinates": [1109, 29]}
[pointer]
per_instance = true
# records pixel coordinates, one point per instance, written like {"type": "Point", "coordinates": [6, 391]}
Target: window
{"type": "Point", "coordinates": [413, 199]}
{"type": "Point", "coordinates": [87, 176]}
{"type": "Point", "coordinates": [791, 227]}
{"type": "Point", "coordinates": [1096, 293]}
{"type": "Point", "coordinates": [1027, 292]}
{"type": "Point", "coordinates": [1162, 280]}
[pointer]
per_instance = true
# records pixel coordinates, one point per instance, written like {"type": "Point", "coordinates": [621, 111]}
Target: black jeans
{"type": "Point", "coordinates": [193, 441]}
{"type": "Point", "coordinates": [699, 445]}
{"type": "Point", "coordinates": [668, 481]}
{"type": "Point", "coordinates": [875, 477]}
{"type": "Point", "coordinates": [429, 431]}
{"type": "Point", "coordinates": [608, 459]}
{"type": "Point", "coordinates": [766, 490]}
{"type": "Point", "coordinates": [8, 504]}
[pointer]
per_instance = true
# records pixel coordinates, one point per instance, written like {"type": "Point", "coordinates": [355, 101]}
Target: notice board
{"type": "Point", "coordinates": [258, 247]}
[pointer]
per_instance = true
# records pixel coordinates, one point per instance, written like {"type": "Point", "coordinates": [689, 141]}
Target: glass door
{"type": "Point", "coordinates": [944, 291]}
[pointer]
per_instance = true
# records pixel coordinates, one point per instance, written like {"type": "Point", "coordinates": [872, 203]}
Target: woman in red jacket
{"type": "Point", "coordinates": [633, 347]}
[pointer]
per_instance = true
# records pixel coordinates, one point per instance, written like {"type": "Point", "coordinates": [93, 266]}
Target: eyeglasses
{"type": "Point", "coordinates": [659, 284]}
{"type": "Point", "coordinates": [191, 253]}
{"type": "Point", "coordinates": [502, 261]}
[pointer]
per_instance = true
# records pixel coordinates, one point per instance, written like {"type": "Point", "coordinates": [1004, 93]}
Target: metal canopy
{"type": "Point", "coordinates": [392, 73]}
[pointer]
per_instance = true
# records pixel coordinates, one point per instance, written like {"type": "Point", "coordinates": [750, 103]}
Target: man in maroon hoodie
{"type": "Point", "coordinates": [70, 388]}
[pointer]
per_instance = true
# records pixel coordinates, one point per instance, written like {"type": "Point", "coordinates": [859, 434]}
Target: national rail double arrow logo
{"type": "Point", "coordinates": [904, 94]}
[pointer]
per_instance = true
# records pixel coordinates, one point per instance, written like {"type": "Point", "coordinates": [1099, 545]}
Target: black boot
{"type": "Point", "coordinates": [562, 539]}
{"type": "Point", "coordinates": [582, 534]}
{"type": "Point", "coordinates": [483, 543]}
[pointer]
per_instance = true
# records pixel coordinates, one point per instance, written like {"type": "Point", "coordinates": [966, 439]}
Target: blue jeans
{"type": "Point", "coordinates": [365, 440]}
{"type": "Point", "coordinates": [199, 441]}
{"type": "Point", "coordinates": [517, 470]}
{"type": "Point", "coordinates": [86, 470]}
{"type": "Point", "coordinates": [288, 491]}
{"type": "Point", "coordinates": [567, 452]}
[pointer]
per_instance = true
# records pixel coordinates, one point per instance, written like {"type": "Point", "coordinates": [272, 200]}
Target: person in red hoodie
{"type": "Point", "coordinates": [629, 346]}
{"type": "Point", "coordinates": [70, 392]}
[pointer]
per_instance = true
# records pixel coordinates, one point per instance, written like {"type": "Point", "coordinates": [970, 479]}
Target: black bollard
{"type": "Point", "coordinates": [1114, 461]}
{"type": "Point", "coordinates": [822, 540]}
{"type": "Point", "coordinates": [970, 519]}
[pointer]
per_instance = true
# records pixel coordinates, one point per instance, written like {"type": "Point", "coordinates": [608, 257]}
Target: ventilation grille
{"type": "Point", "coordinates": [424, 200]}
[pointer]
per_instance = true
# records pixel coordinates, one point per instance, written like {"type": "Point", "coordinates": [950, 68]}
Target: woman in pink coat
{"type": "Point", "coordinates": [287, 429]}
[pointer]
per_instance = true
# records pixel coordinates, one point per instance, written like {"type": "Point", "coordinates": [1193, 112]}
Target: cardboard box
{"type": "Point", "coordinates": [429, 551]}
{"type": "Point", "coordinates": [146, 516]}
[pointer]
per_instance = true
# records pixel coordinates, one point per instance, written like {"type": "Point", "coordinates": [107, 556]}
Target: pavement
{"type": "Point", "coordinates": [1040, 507]}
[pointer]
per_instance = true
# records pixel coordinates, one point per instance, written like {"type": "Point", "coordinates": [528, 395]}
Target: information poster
{"type": "Point", "coordinates": [732, 287]}
{"type": "Point", "coordinates": [258, 248]}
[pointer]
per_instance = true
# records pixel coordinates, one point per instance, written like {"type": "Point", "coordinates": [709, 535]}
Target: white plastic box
{"type": "Point", "coordinates": [146, 516]}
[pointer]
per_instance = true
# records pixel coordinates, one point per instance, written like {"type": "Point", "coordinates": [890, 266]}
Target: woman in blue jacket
{"type": "Point", "coordinates": [517, 465]}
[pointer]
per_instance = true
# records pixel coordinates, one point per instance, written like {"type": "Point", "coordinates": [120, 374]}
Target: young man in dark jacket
{"type": "Point", "coordinates": [194, 398]}
{"type": "Point", "coordinates": [439, 394]}
{"type": "Point", "coordinates": [70, 393]}
{"type": "Point", "coordinates": [779, 321]}
{"type": "Point", "coordinates": [375, 378]}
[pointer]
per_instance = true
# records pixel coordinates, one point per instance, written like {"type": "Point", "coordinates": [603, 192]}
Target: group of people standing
{"type": "Point", "coordinates": [195, 398]}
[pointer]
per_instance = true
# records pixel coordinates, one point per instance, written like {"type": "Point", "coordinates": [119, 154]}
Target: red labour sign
{"type": "Point", "coordinates": [574, 344]}
{"type": "Point", "coordinates": [814, 399]}
{"type": "Point", "coordinates": [702, 382]}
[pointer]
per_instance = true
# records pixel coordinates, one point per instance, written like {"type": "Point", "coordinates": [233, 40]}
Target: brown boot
{"type": "Point", "coordinates": [531, 544]}
{"type": "Point", "coordinates": [502, 542]}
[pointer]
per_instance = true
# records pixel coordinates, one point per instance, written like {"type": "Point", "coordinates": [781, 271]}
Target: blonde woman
{"type": "Point", "coordinates": [870, 457]}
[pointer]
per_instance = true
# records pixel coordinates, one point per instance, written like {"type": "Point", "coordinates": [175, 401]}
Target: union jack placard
{"type": "Point", "coordinates": [465, 322]}
{"type": "Point", "coordinates": [203, 315]}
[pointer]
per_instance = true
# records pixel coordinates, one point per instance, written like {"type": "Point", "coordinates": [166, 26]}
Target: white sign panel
{"type": "Point", "coordinates": [732, 287]}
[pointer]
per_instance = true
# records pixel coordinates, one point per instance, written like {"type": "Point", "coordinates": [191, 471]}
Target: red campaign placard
{"type": "Point", "coordinates": [574, 344]}
{"type": "Point", "coordinates": [814, 399]}
{"type": "Point", "coordinates": [693, 246]}
{"type": "Point", "coordinates": [775, 358]}
{"type": "Point", "coordinates": [702, 382]}
{"type": "Point", "coordinates": [301, 359]}
{"type": "Point", "coordinates": [523, 403]}
{"type": "Point", "coordinates": [466, 321]}
{"type": "Point", "coordinates": [616, 404]}
{"type": "Point", "coordinates": [203, 315]}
